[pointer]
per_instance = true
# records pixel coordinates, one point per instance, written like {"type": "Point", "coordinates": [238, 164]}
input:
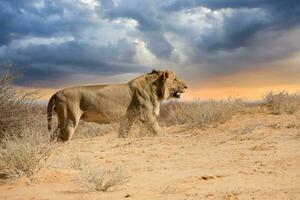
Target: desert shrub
{"type": "Point", "coordinates": [15, 110]}
{"type": "Point", "coordinates": [23, 136]}
{"type": "Point", "coordinates": [101, 179]}
{"type": "Point", "coordinates": [200, 112]}
{"type": "Point", "coordinates": [23, 155]}
{"type": "Point", "coordinates": [282, 102]}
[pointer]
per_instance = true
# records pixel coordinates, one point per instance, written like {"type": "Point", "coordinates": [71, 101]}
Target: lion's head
{"type": "Point", "coordinates": [169, 85]}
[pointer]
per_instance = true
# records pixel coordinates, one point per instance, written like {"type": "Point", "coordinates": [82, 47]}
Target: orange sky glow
{"type": "Point", "coordinates": [249, 85]}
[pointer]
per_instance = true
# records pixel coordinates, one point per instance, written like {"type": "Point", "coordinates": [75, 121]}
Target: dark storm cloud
{"type": "Point", "coordinates": [288, 6]}
{"type": "Point", "coordinates": [74, 53]}
{"type": "Point", "coordinates": [73, 57]}
{"type": "Point", "coordinates": [150, 22]}
{"type": "Point", "coordinates": [218, 36]}
{"type": "Point", "coordinates": [22, 20]}
{"type": "Point", "coordinates": [238, 30]}
{"type": "Point", "coordinates": [249, 18]}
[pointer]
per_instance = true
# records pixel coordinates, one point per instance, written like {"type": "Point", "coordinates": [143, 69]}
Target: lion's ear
{"type": "Point", "coordinates": [166, 75]}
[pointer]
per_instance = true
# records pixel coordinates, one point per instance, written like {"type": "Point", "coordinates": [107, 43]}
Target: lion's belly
{"type": "Point", "coordinates": [105, 105]}
{"type": "Point", "coordinates": [94, 117]}
{"type": "Point", "coordinates": [104, 117]}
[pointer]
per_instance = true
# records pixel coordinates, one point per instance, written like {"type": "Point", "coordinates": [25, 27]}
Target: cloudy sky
{"type": "Point", "coordinates": [220, 47]}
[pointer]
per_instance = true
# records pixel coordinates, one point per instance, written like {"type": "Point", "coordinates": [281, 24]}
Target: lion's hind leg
{"type": "Point", "coordinates": [66, 132]}
{"type": "Point", "coordinates": [70, 124]}
{"type": "Point", "coordinates": [61, 118]}
{"type": "Point", "coordinates": [67, 122]}
{"type": "Point", "coordinates": [54, 134]}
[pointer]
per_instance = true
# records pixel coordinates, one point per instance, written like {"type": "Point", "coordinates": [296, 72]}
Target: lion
{"type": "Point", "coordinates": [138, 99]}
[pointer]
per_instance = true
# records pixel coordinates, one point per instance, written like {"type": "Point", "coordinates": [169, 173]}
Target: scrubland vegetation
{"type": "Point", "coordinates": [282, 102]}
{"type": "Point", "coordinates": [203, 113]}
{"type": "Point", "coordinates": [212, 112]}
{"type": "Point", "coordinates": [24, 139]}
{"type": "Point", "coordinates": [23, 136]}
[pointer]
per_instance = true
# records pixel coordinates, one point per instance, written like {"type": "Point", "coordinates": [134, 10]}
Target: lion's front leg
{"type": "Point", "coordinates": [152, 124]}
{"type": "Point", "coordinates": [125, 126]}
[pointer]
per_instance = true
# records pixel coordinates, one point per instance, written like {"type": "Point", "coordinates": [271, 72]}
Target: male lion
{"type": "Point", "coordinates": [138, 99]}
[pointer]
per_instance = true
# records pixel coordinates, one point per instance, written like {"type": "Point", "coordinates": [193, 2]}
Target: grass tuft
{"type": "Point", "coordinates": [282, 102]}
{"type": "Point", "coordinates": [101, 179]}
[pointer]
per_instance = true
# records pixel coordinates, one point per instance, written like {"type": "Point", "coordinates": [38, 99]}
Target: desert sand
{"type": "Point", "coordinates": [249, 157]}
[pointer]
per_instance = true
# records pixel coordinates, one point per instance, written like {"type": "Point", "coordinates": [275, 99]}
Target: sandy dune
{"type": "Point", "coordinates": [249, 157]}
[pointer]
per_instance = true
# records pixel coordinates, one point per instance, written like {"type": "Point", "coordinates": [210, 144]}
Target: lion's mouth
{"type": "Point", "coordinates": [177, 94]}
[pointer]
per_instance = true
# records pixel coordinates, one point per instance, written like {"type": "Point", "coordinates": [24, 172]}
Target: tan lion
{"type": "Point", "coordinates": [138, 99]}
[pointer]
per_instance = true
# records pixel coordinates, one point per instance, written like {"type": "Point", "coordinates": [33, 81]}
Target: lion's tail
{"type": "Point", "coordinates": [51, 104]}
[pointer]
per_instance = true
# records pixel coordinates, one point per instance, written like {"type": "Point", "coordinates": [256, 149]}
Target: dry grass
{"type": "Point", "coordinates": [90, 129]}
{"type": "Point", "coordinates": [101, 179]}
{"type": "Point", "coordinates": [23, 155]}
{"type": "Point", "coordinates": [200, 112]}
{"type": "Point", "coordinates": [23, 136]}
{"type": "Point", "coordinates": [13, 109]}
{"type": "Point", "coordinates": [77, 163]}
{"type": "Point", "coordinates": [282, 102]}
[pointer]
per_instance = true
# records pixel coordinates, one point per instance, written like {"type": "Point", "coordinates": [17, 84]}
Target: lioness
{"type": "Point", "coordinates": [138, 99]}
